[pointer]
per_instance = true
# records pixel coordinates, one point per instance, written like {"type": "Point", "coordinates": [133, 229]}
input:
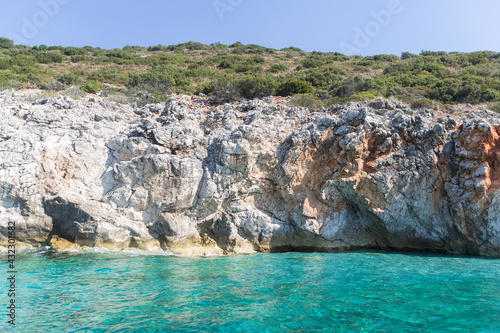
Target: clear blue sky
{"type": "Point", "coordinates": [363, 27]}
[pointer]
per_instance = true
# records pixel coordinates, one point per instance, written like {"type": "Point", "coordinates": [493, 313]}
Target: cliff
{"type": "Point", "coordinates": [192, 177]}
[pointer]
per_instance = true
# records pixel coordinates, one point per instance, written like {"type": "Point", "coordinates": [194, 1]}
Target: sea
{"type": "Point", "coordinates": [361, 291]}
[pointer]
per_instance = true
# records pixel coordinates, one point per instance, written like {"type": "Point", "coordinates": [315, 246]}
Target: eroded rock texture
{"type": "Point", "coordinates": [195, 178]}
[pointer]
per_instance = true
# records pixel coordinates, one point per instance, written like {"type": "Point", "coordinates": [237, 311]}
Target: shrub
{"type": "Point", "coordinates": [385, 57]}
{"type": "Point", "coordinates": [74, 93]}
{"type": "Point", "coordinates": [407, 55]}
{"type": "Point", "coordinates": [226, 90]}
{"type": "Point", "coordinates": [68, 79]}
{"type": "Point", "coordinates": [294, 87]}
{"type": "Point", "coordinates": [151, 81]}
{"type": "Point", "coordinates": [79, 58]}
{"type": "Point", "coordinates": [312, 63]}
{"type": "Point", "coordinates": [152, 87]}
{"type": "Point", "coordinates": [322, 78]}
{"type": "Point", "coordinates": [119, 98]}
{"type": "Point", "coordinates": [256, 60]}
{"type": "Point", "coordinates": [495, 106]}
{"type": "Point", "coordinates": [307, 101]}
{"type": "Point", "coordinates": [248, 69]}
{"type": "Point", "coordinates": [348, 86]}
{"type": "Point", "coordinates": [71, 51]}
{"type": "Point", "coordinates": [158, 48]}
{"type": "Point", "coordinates": [276, 68]}
{"type": "Point", "coordinates": [49, 57]}
{"type": "Point", "coordinates": [6, 43]}
{"type": "Point", "coordinates": [226, 64]}
{"type": "Point", "coordinates": [54, 85]}
{"type": "Point", "coordinates": [256, 87]}
{"type": "Point", "coordinates": [364, 96]}
{"type": "Point", "coordinates": [291, 48]}
{"type": "Point", "coordinates": [426, 103]}
{"type": "Point", "coordinates": [6, 84]}
{"type": "Point", "coordinates": [91, 87]}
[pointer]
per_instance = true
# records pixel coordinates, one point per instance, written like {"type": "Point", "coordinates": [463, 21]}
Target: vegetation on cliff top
{"type": "Point", "coordinates": [231, 72]}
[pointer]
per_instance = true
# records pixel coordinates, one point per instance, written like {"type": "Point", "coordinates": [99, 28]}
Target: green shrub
{"type": "Point", "coordinates": [293, 87]}
{"type": "Point", "coordinates": [385, 57]}
{"type": "Point", "coordinates": [256, 60]}
{"type": "Point", "coordinates": [225, 90]}
{"type": "Point", "coordinates": [80, 58]}
{"type": "Point", "coordinates": [495, 106]}
{"type": "Point", "coordinates": [6, 43]}
{"type": "Point", "coordinates": [312, 63]}
{"type": "Point", "coordinates": [68, 79]}
{"type": "Point", "coordinates": [54, 85]}
{"type": "Point", "coordinates": [6, 84]}
{"type": "Point", "coordinates": [291, 48]}
{"type": "Point", "coordinates": [364, 96]}
{"type": "Point", "coordinates": [256, 87]}
{"type": "Point", "coordinates": [426, 103]}
{"type": "Point", "coordinates": [348, 86]}
{"type": "Point", "coordinates": [71, 51]}
{"type": "Point", "coordinates": [151, 81]}
{"type": "Point", "coordinates": [49, 57]}
{"type": "Point", "coordinates": [407, 55]}
{"type": "Point", "coordinates": [248, 69]}
{"type": "Point", "coordinates": [276, 68]}
{"type": "Point", "coordinates": [91, 87]}
{"type": "Point", "coordinates": [309, 101]}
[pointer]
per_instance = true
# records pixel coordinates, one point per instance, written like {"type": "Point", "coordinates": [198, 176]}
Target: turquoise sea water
{"type": "Point", "coordinates": [289, 292]}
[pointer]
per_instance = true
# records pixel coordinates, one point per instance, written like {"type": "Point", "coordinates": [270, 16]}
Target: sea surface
{"type": "Point", "coordinates": [99, 291]}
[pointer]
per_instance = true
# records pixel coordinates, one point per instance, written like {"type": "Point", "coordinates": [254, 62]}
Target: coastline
{"type": "Point", "coordinates": [195, 177]}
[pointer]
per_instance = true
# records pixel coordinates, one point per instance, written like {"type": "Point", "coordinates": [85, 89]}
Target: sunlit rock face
{"type": "Point", "coordinates": [192, 177]}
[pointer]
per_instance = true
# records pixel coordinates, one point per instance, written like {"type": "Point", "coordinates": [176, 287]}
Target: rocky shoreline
{"type": "Point", "coordinates": [193, 177]}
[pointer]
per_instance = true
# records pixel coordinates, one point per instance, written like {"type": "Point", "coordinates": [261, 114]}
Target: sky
{"type": "Point", "coordinates": [364, 27]}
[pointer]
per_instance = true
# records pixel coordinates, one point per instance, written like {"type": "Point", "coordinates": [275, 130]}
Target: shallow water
{"type": "Point", "coordinates": [289, 292]}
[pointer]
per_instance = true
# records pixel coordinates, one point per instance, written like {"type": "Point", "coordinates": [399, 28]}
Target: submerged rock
{"type": "Point", "coordinates": [197, 178]}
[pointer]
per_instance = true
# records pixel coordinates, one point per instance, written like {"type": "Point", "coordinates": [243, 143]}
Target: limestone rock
{"type": "Point", "coordinates": [196, 178]}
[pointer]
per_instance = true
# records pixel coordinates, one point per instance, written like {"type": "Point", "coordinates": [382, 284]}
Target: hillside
{"type": "Point", "coordinates": [232, 72]}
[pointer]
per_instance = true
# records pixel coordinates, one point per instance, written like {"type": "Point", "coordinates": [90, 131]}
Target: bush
{"type": "Point", "coordinates": [71, 51]}
{"type": "Point", "coordinates": [54, 85]}
{"type": "Point", "coordinates": [426, 103]}
{"type": "Point", "coordinates": [49, 57]}
{"type": "Point", "coordinates": [226, 90]}
{"type": "Point", "coordinates": [68, 79]}
{"type": "Point", "coordinates": [256, 60]}
{"type": "Point", "coordinates": [119, 98]}
{"type": "Point", "coordinates": [294, 87]}
{"type": "Point", "coordinates": [364, 96]}
{"type": "Point", "coordinates": [6, 84]}
{"type": "Point", "coordinates": [152, 81]}
{"type": "Point", "coordinates": [256, 87]}
{"type": "Point", "coordinates": [276, 68]}
{"type": "Point", "coordinates": [312, 63]}
{"type": "Point", "coordinates": [153, 87]}
{"type": "Point", "coordinates": [225, 64]}
{"type": "Point", "coordinates": [91, 87]}
{"type": "Point", "coordinates": [307, 101]}
{"type": "Point", "coordinates": [495, 106]}
{"type": "Point", "coordinates": [348, 86]}
{"type": "Point", "coordinates": [6, 43]}
{"type": "Point", "coordinates": [74, 93]}
{"type": "Point", "coordinates": [407, 55]}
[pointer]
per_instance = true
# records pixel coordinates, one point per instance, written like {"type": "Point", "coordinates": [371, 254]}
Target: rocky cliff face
{"type": "Point", "coordinates": [195, 178]}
